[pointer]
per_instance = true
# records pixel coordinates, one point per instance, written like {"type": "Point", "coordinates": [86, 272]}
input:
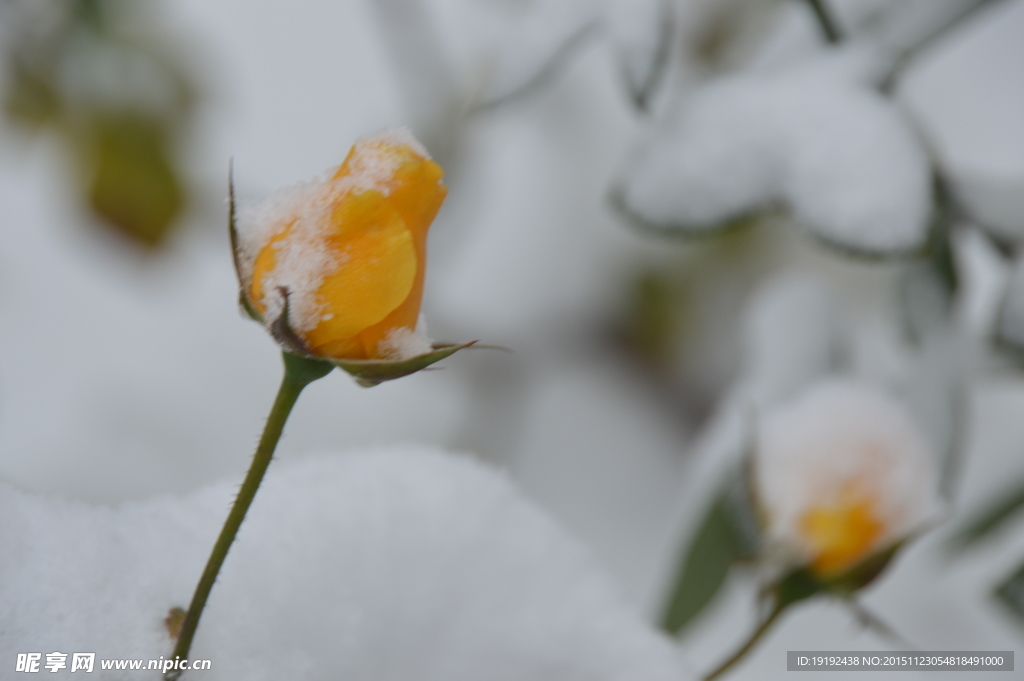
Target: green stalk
{"type": "Point", "coordinates": [826, 21]}
{"type": "Point", "coordinates": [754, 637]}
{"type": "Point", "coordinates": [298, 373]}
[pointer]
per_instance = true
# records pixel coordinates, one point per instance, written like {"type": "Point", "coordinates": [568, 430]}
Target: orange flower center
{"type": "Point", "coordinates": [841, 531]}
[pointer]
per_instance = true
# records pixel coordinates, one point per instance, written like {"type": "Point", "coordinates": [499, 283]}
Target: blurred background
{"type": "Point", "coordinates": [641, 333]}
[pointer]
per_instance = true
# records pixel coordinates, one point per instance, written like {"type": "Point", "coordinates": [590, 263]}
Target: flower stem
{"type": "Point", "coordinates": [872, 621]}
{"type": "Point", "coordinates": [826, 21]}
{"type": "Point", "coordinates": [298, 373]}
{"type": "Point", "coordinates": [751, 641]}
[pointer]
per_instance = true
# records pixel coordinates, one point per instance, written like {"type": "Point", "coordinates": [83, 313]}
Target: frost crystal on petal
{"type": "Point", "coordinates": [401, 344]}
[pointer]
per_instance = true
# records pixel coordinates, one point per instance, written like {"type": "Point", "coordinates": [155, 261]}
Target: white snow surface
{"type": "Point", "coordinates": [815, 138]}
{"type": "Point", "coordinates": [402, 563]}
{"type": "Point", "coordinates": [839, 432]}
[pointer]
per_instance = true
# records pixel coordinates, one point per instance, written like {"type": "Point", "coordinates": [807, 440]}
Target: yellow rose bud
{"type": "Point", "coordinates": [843, 473]}
{"type": "Point", "coordinates": [341, 261]}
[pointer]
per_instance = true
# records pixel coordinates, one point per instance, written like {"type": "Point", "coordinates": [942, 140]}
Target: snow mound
{"type": "Point", "coordinates": [389, 564]}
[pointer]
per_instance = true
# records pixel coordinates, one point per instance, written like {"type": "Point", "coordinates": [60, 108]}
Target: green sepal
{"type": "Point", "coordinates": [863, 573]}
{"type": "Point", "coordinates": [367, 372]}
{"type": "Point", "coordinates": [283, 333]}
{"type": "Point", "coordinates": [236, 253]}
{"type": "Point", "coordinates": [796, 586]}
{"type": "Point", "coordinates": [728, 534]}
{"type": "Point", "coordinates": [246, 307]}
{"type": "Point", "coordinates": [371, 372]}
{"type": "Point", "coordinates": [803, 583]}
{"type": "Point", "coordinates": [304, 370]}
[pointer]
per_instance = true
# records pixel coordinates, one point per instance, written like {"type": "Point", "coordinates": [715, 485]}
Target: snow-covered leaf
{"type": "Point", "coordinates": [387, 564]}
{"type": "Point", "coordinates": [815, 139]}
{"type": "Point", "coordinates": [967, 97]}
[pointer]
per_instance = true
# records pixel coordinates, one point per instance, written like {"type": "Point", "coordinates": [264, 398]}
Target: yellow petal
{"type": "Point", "coordinates": [366, 230]}
{"type": "Point", "coordinates": [841, 532]}
{"type": "Point", "coordinates": [377, 267]}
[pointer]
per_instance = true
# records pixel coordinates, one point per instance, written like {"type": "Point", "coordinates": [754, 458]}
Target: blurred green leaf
{"type": "Point", "coordinates": [101, 76]}
{"type": "Point", "coordinates": [30, 98]}
{"type": "Point", "coordinates": [945, 216]}
{"type": "Point", "coordinates": [1011, 593]}
{"type": "Point", "coordinates": [651, 327]}
{"type": "Point", "coordinates": [724, 538]}
{"type": "Point", "coordinates": [989, 519]}
{"type": "Point", "coordinates": [131, 180]}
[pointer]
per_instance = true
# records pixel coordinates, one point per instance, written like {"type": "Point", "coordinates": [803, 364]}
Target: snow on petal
{"type": "Point", "coordinates": [387, 564]}
{"type": "Point", "coordinates": [640, 32]}
{"type": "Point", "coordinates": [842, 472]}
{"type": "Point", "coordinates": [537, 43]}
{"type": "Point", "coordinates": [835, 152]}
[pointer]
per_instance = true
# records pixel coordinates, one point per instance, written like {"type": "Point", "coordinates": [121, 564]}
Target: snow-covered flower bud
{"type": "Point", "coordinates": [842, 474]}
{"type": "Point", "coordinates": [334, 268]}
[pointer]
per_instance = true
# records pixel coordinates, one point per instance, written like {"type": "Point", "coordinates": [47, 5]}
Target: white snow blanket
{"type": "Point", "coordinates": [393, 564]}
